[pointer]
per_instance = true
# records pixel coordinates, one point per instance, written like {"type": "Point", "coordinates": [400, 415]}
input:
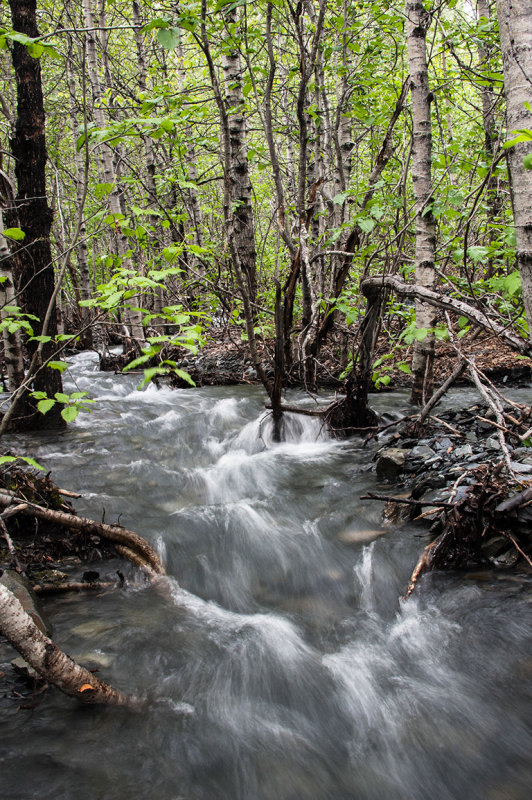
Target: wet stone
{"type": "Point", "coordinates": [391, 462]}
{"type": "Point", "coordinates": [422, 451]}
{"type": "Point", "coordinates": [463, 451]}
{"type": "Point", "coordinates": [508, 559]}
{"type": "Point", "coordinates": [444, 444]}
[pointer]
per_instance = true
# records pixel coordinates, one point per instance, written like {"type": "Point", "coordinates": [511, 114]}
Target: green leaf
{"type": "Point", "coordinates": [32, 462]}
{"type": "Point", "coordinates": [42, 339]}
{"type": "Point", "coordinates": [61, 397]}
{"type": "Point", "coordinates": [35, 49]}
{"type": "Point", "coordinates": [27, 459]}
{"type": "Point", "coordinates": [138, 361]}
{"type": "Point", "coordinates": [112, 300]}
{"type": "Point", "coordinates": [184, 375]}
{"type": "Point", "coordinates": [14, 233]}
{"type": "Point", "coordinates": [405, 368]}
{"type": "Point", "coordinates": [477, 253]}
{"type": "Point", "coordinates": [103, 189]}
{"type": "Point", "coordinates": [45, 405]}
{"type": "Point", "coordinates": [168, 38]}
{"type": "Point", "coordinates": [69, 413]}
{"type": "Point", "coordinates": [339, 199]}
{"type": "Point", "coordinates": [527, 161]}
{"type": "Point", "coordinates": [512, 283]}
{"type": "Point", "coordinates": [61, 366]}
{"type": "Point", "coordinates": [366, 224]}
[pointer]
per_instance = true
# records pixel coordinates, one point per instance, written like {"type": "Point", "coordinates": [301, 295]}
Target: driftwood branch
{"type": "Point", "coordinates": [378, 283]}
{"type": "Point", "coordinates": [391, 499]}
{"type": "Point", "coordinates": [145, 555]}
{"type": "Point", "coordinates": [307, 412]}
{"type": "Point", "coordinates": [49, 661]}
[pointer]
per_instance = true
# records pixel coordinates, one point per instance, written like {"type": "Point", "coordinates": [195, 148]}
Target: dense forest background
{"type": "Point", "coordinates": [295, 172]}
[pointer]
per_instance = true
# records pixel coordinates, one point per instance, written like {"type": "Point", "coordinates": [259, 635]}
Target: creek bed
{"type": "Point", "coordinates": [280, 661]}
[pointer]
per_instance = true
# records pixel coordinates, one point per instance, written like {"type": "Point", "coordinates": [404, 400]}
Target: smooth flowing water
{"type": "Point", "coordinates": [280, 661]}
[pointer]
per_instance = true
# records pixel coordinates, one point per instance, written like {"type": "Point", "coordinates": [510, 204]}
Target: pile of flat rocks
{"type": "Point", "coordinates": [444, 454]}
{"type": "Point", "coordinates": [441, 466]}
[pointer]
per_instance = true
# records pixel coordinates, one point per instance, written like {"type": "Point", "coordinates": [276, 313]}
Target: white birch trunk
{"type": "Point", "coordinates": [417, 24]}
{"type": "Point", "coordinates": [241, 211]}
{"type": "Point", "coordinates": [133, 318]}
{"type": "Point", "coordinates": [515, 26]}
{"type": "Point", "coordinates": [82, 248]}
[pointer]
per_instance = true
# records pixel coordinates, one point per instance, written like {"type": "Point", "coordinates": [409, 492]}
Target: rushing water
{"type": "Point", "coordinates": [280, 661]}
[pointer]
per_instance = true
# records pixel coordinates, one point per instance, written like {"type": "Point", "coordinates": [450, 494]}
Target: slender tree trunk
{"type": "Point", "coordinates": [515, 26]}
{"type": "Point", "coordinates": [34, 257]}
{"type": "Point", "coordinates": [80, 162]}
{"type": "Point", "coordinates": [239, 227]}
{"type": "Point", "coordinates": [489, 103]}
{"type": "Point", "coordinates": [12, 341]}
{"type": "Point", "coordinates": [191, 173]}
{"type": "Point", "coordinates": [241, 210]}
{"type": "Point", "coordinates": [417, 25]}
{"type": "Point", "coordinates": [133, 317]}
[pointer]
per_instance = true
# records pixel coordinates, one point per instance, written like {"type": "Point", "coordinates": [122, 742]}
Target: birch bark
{"type": "Point", "coordinates": [46, 658]}
{"type": "Point", "coordinates": [515, 26]}
{"type": "Point", "coordinates": [12, 341]}
{"type": "Point", "coordinates": [133, 317]}
{"type": "Point", "coordinates": [417, 24]}
{"type": "Point", "coordinates": [241, 211]}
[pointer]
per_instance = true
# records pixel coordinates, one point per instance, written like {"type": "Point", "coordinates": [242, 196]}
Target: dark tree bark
{"type": "Point", "coordinates": [33, 262]}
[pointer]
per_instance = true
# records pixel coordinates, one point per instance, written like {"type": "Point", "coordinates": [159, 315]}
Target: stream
{"type": "Point", "coordinates": [280, 661]}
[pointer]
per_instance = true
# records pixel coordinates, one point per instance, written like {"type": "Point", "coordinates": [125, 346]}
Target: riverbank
{"type": "Point", "coordinates": [224, 360]}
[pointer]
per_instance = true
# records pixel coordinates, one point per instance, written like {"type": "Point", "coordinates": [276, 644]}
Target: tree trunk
{"type": "Point", "coordinates": [133, 317]}
{"type": "Point", "coordinates": [515, 26]}
{"type": "Point", "coordinates": [122, 537]}
{"type": "Point", "coordinates": [34, 262]}
{"type": "Point", "coordinates": [46, 658]}
{"type": "Point", "coordinates": [12, 341]}
{"type": "Point", "coordinates": [489, 103]}
{"type": "Point", "coordinates": [80, 162]}
{"type": "Point", "coordinates": [241, 210]}
{"type": "Point", "coordinates": [417, 25]}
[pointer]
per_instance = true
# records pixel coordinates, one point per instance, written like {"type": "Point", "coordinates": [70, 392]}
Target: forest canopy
{"type": "Point", "coordinates": [169, 169]}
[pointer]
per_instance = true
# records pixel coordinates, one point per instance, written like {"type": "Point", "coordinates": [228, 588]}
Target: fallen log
{"type": "Point", "coordinates": [145, 555]}
{"type": "Point", "coordinates": [49, 661]}
{"type": "Point", "coordinates": [378, 283]}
